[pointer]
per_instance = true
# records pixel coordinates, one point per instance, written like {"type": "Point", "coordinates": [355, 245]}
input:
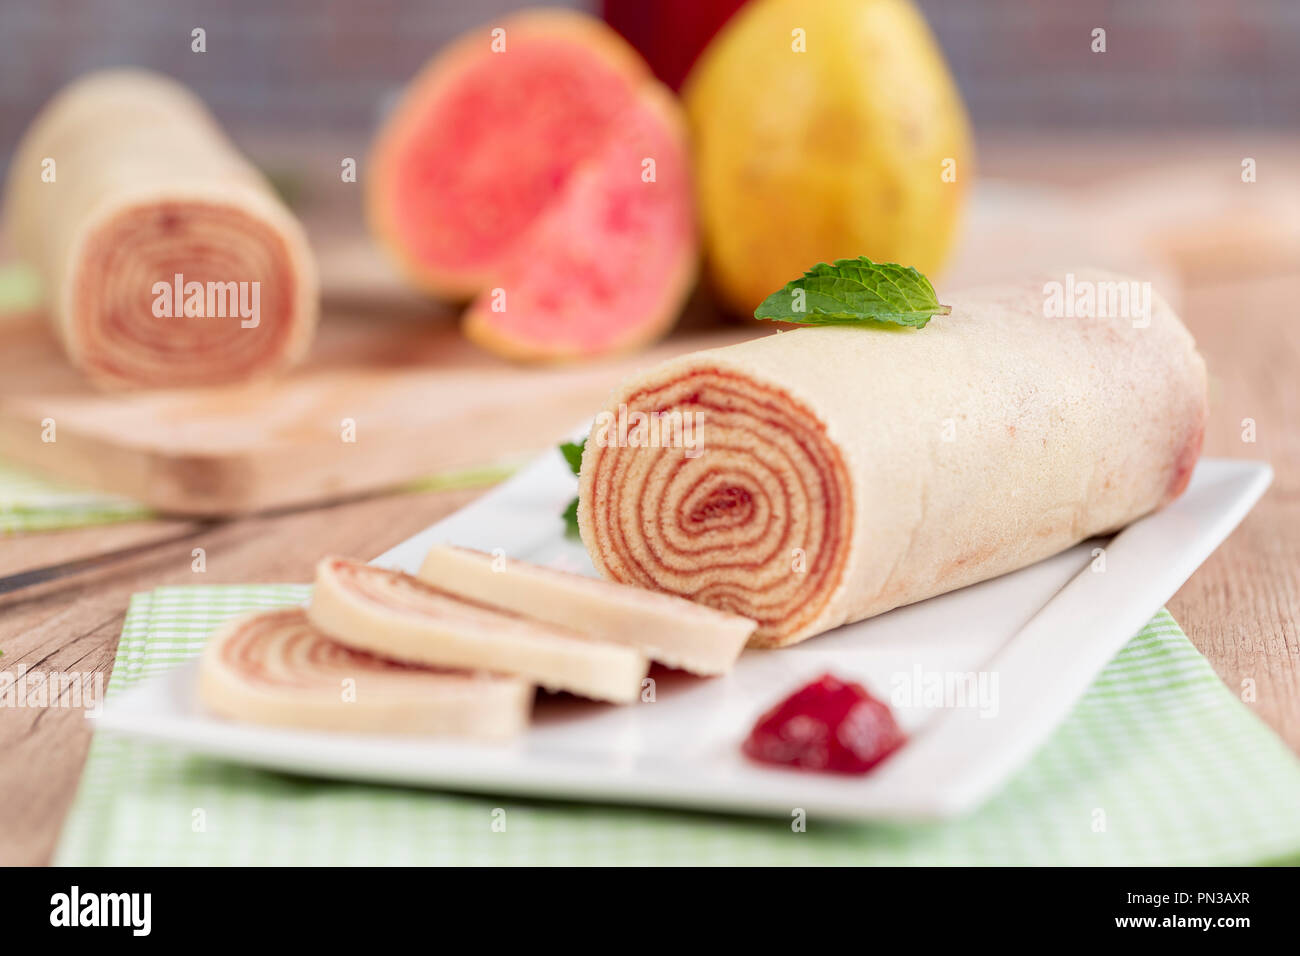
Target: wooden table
{"type": "Point", "coordinates": [1240, 609]}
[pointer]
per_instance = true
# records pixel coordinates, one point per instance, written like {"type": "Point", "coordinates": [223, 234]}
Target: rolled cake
{"type": "Point", "coordinates": [166, 258]}
{"type": "Point", "coordinates": [666, 629]}
{"type": "Point", "coordinates": [275, 668]}
{"type": "Point", "coordinates": [838, 472]}
{"type": "Point", "coordinates": [393, 614]}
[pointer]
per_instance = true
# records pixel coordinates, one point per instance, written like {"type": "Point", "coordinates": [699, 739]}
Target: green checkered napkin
{"type": "Point", "coordinates": [30, 502]}
{"type": "Point", "coordinates": [20, 289]}
{"type": "Point", "coordinates": [1180, 769]}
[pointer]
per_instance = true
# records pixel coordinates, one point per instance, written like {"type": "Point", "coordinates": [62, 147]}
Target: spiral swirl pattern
{"type": "Point", "coordinates": [276, 668]}
{"type": "Point", "coordinates": [120, 339]}
{"type": "Point", "coordinates": [757, 524]}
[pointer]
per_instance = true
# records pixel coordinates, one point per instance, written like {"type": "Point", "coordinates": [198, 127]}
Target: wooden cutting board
{"type": "Point", "coordinates": [382, 400]}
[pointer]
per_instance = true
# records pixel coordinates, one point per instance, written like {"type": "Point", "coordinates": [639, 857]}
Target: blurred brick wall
{"type": "Point", "coordinates": [314, 65]}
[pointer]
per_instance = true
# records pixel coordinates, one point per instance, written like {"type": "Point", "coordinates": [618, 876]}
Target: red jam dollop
{"type": "Point", "coordinates": [830, 725]}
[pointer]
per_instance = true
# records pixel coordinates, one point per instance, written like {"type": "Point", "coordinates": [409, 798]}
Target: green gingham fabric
{"type": "Point", "coordinates": [1181, 770]}
{"type": "Point", "coordinates": [30, 502]}
{"type": "Point", "coordinates": [20, 289]}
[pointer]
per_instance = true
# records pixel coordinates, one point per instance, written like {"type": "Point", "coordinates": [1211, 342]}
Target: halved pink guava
{"type": "Point", "coordinates": [550, 179]}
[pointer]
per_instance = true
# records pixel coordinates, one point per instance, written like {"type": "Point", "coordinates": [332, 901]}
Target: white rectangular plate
{"type": "Point", "coordinates": [1043, 633]}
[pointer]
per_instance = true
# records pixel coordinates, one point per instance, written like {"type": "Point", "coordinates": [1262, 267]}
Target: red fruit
{"type": "Point", "coordinates": [543, 170]}
{"type": "Point", "coordinates": [670, 34]}
{"type": "Point", "coordinates": [829, 725]}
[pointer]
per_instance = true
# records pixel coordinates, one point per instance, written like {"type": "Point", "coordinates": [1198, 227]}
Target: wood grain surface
{"type": "Point", "coordinates": [1240, 609]}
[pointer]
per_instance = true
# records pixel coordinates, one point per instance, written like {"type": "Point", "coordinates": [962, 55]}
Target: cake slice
{"type": "Point", "coordinates": [396, 615]}
{"type": "Point", "coordinates": [668, 629]}
{"type": "Point", "coordinates": [274, 668]}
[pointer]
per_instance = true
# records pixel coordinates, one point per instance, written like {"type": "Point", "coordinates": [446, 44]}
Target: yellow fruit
{"type": "Point", "coordinates": [839, 149]}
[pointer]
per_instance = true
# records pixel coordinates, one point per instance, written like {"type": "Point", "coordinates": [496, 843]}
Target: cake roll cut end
{"type": "Point", "coordinates": [702, 482]}
{"type": "Point", "coordinates": [184, 292]}
{"type": "Point", "coordinates": [275, 668]}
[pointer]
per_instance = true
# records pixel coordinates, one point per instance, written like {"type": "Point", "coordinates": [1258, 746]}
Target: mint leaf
{"type": "Point", "coordinates": [572, 452]}
{"type": "Point", "coordinates": [571, 520]}
{"type": "Point", "coordinates": [855, 292]}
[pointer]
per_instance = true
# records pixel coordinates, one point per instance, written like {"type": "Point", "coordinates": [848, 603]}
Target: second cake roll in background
{"type": "Point", "coordinates": [166, 258]}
